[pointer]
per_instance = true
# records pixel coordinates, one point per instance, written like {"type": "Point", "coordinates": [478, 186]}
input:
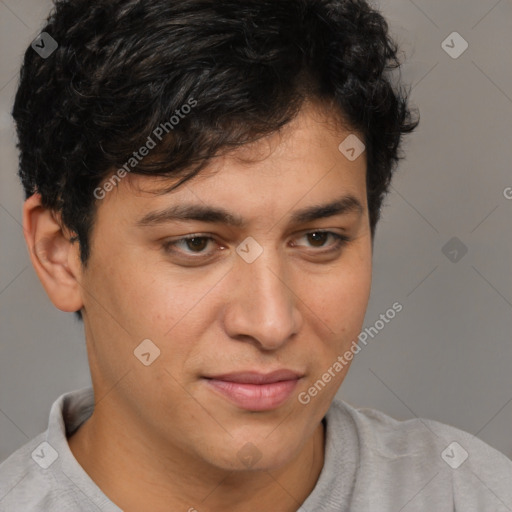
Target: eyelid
{"type": "Point", "coordinates": [340, 241]}
{"type": "Point", "coordinates": [170, 243]}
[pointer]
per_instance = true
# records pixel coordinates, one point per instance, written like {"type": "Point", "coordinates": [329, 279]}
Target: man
{"type": "Point", "coordinates": [203, 184]}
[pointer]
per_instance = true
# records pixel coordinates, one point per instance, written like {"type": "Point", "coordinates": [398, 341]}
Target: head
{"type": "Point", "coordinates": [230, 116]}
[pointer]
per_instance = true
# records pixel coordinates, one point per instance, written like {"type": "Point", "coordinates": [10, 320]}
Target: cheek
{"type": "Point", "coordinates": [160, 301]}
{"type": "Point", "coordinates": [340, 301]}
{"type": "Point", "coordinates": [340, 298]}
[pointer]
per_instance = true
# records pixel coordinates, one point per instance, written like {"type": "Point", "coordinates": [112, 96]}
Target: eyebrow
{"type": "Point", "coordinates": [198, 212]}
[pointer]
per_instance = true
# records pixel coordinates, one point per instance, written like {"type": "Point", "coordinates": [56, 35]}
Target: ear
{"type": "Point", "coordinates": [55, 258]}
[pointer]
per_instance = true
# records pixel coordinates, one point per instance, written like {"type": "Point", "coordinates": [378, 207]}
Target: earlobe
{"type": "Point", "coordinates": [53, 255]}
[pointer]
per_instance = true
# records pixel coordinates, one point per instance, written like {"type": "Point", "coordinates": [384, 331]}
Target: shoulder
{"type": "Point", "coordinates": [408, 459]}
{"type": "Point", "coordinates": [43, 475]}
{"type": "Point", "coordinates": [25, 484]}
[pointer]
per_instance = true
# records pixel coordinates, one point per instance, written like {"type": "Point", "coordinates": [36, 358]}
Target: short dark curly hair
{"type": "Point", "coordinates": [124, 67]}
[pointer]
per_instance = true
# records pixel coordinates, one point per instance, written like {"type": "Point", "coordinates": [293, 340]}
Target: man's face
{"type": "Point", "coordinates": [291, 298]}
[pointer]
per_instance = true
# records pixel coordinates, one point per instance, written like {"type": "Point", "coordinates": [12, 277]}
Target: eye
{"type": "Point", "coordinates": [318, 239]}
{"type": "Point", "coordinates": [193, 244]}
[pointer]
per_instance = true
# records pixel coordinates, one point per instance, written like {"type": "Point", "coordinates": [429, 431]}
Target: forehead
{"type": "Point", "coordinates": [300, 164]}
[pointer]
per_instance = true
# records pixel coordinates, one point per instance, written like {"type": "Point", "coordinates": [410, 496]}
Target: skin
{"type": "Point", "coordinates": [160, 438]}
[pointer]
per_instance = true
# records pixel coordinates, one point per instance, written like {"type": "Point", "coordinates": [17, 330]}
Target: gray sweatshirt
{"type": "Point", "coordinates": [373, 463]}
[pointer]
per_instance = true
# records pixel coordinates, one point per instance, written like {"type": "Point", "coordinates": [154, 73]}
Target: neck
{"type": "Point", "coordinates": [137, 474]}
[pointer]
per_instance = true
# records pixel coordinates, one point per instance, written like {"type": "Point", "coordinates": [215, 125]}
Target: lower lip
{"type": "Point", "coordinates": [255, 397]}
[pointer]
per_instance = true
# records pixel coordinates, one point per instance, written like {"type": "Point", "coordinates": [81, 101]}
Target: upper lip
{"type": "Point", "coordinates": [252, 377]}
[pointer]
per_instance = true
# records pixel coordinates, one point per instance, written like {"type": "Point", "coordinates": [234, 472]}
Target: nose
{"type": "Point", "coordinates": [263, 308]}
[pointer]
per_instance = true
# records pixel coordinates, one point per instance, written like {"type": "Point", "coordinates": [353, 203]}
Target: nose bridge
{"type": "Point", "coordinates": [264, 308]}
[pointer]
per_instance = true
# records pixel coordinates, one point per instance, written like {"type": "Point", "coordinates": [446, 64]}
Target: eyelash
{"type": "Point", "coordinates": [341, 241]}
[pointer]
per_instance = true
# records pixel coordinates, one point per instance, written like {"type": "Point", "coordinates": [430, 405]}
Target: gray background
{"type": "Point", "coordinates": [447, 355]}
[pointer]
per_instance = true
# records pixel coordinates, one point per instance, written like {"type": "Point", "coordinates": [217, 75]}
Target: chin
{"type": "Point", "coordinates": [255, 456]}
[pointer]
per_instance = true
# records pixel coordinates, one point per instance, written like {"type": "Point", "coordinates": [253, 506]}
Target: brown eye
{"type": "Point", "coordinates": [318, 238]}
{"type": "Point", "coordinates": [191, 246]}
{"type": "Point", "coordinates": [197, 243]}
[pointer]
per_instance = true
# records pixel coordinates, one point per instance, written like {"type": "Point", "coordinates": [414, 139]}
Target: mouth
{"type": "Point", "coordinates": [255, 391]}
